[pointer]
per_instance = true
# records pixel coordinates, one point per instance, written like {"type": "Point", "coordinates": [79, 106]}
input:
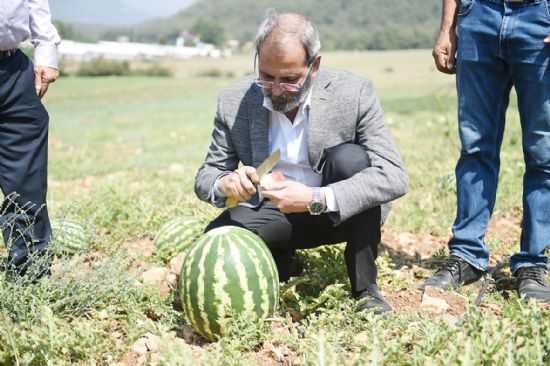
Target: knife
{"type": "Point", "coordinates": [262, 171]}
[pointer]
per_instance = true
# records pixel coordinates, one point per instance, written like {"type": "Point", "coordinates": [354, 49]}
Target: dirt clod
{"type": "Point", "coordinates": [433, 305]}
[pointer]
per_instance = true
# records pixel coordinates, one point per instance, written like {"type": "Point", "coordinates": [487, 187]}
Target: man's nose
{"type": "Point", "coordinates": [278, 90]}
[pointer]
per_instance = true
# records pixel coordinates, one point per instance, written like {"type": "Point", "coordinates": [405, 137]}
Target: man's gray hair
{"type": "Point", "coordinates": [308, 33]}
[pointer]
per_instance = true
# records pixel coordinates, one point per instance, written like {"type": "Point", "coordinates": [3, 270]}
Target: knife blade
{"type": "Point", "coordinates": [262, 171]}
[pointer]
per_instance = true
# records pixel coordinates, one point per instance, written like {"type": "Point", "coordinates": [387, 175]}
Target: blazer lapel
{"type": "Point", "coordinates": [318, 120]}
{"type": "Point", "coordinates": [259, 129]}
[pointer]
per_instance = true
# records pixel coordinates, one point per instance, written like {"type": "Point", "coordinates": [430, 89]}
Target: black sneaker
{"type": "Point", "coordinates": [532, 284]}
{"type": "Point", "coordinates": [372, 299]}
{"type": "Point", "coordinates": [454, 272]}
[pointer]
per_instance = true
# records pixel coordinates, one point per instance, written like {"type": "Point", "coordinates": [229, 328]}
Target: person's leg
{"type": "Point", "coordinates": [483, 87]}
{"type": "Point", "coordinates": [361, 232]}
{"type": "Point", "coordinates": [530, 69]}
{"type": "Point", "coordinates": [23, 164]}
{"type": "Point", "coordinates": [529, 61]}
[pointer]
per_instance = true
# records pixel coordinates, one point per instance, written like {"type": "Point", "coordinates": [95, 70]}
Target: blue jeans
{"type": "Point", "coordinates": [501, 45]}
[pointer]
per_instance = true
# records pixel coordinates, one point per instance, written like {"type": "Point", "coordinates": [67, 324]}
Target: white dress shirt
{"type": "Point", "coordinates": [24, 19]}
{"type": "Point", "coordinates": [291, 139]}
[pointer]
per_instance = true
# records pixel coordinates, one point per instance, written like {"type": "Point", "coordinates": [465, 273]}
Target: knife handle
{"type": "Point", "coordinates": [231, 202]}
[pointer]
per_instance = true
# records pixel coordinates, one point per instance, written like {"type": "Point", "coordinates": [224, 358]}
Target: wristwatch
{"type": "Point", "coordinates": [315, 206]}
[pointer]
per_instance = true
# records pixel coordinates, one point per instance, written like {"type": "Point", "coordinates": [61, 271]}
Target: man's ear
{"type": "Point", "coordinates": [316, 64]}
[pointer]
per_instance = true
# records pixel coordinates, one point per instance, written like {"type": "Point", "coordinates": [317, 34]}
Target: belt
{"type": "Point", "coordinates": [4, 55]}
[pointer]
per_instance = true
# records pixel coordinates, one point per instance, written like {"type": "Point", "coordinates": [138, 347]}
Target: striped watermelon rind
{"type": "Point", "coordinates": [68, 236]}
{"type": "Point", "coordinates": [228, 272]}
{"type": "Point", "coordinates": [176, 236]}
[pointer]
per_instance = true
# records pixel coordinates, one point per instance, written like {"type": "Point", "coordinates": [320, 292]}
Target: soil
{"type": "Point", "coordinates": [405, 301]}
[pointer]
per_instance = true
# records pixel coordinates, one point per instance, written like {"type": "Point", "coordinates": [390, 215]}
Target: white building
{"type": "Point", "coordinates": [77, 51]}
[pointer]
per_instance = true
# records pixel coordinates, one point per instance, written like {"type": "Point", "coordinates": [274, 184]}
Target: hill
{"type": "Point", "coordinates": [343, 24]}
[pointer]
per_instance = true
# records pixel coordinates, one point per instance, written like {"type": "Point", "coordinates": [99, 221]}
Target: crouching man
{"type": "Point", "coordinates": [338, 169]}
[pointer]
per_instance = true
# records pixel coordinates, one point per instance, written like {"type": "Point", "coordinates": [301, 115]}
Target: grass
{"type": "Point", "coordinates": [123, 155]}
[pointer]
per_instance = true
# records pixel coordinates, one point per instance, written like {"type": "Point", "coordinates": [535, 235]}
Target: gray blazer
{"type": "Point", "coordinates": [343, 108]}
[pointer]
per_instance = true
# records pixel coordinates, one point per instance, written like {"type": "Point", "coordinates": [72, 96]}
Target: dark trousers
{"type": "Point", "coordinates": [284, 233]}
{"type": "Point", "coordinates": [23, 161]}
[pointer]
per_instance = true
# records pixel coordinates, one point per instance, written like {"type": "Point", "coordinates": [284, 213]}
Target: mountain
{"type": "Point", "coordinates": [114, 12]}
{"type": "Point", "coordinates": [343, 24]}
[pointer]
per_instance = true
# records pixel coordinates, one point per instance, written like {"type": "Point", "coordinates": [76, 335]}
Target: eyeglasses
{"type": "Point", "coordinates": [289, 87]}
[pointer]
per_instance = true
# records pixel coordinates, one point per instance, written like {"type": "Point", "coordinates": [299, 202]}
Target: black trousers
{"type": "Point", "coordinates": [284, 233]}
{"type": "Point", "coordinates": [23, 161]}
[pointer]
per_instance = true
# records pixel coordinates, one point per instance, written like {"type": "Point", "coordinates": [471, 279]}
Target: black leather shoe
{"type": "Point", "coordinates": [372, 299]}
{"type": "Point", "coordinates": [36, 267]}
{"type": "Point", "coordinates": [296, 267]}
{"type": "Point", "coordinates": [532, 284]}
{"type": "Point", "coordinates": [453, 272]}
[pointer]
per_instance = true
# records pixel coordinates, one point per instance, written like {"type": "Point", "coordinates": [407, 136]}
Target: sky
{"type": "Point", "coordinates": [114, 12]}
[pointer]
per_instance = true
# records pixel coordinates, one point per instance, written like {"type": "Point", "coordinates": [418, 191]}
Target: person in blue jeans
{"type": "Point", "coordinates": [498, 44]}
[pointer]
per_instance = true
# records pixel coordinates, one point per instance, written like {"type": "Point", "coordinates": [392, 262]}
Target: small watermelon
{"type": "Point", "coordinates": [68, 236]}
{"type": "Point", "coordinates": [228, 272]}
{"type": "Point", "coordinates": [176, 236]}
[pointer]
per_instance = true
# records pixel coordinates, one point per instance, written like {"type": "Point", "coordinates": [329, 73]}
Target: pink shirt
{"type": "Point", "coordinates": [24, 19]}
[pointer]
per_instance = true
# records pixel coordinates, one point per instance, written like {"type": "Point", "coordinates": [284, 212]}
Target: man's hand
{"type": "Point", "coordinates": [288, 196]}
{"type": "Point", "coordinates": [444, 51]}
{"type": "Point", "coordinates": [547, 39]}
{"type": "Point", "coordinates": [240, 184]}
{"type": "Point", "coordinates": [43, 77]}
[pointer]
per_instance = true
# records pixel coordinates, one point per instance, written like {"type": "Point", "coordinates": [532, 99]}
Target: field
{"type": "Point", "coordinates": [123, 155]}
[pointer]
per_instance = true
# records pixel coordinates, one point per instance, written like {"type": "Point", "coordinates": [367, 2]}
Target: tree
{"type": "Point", "coordinates": [66, 31]}
{"type": "Point", "coordinates": [209, 31]}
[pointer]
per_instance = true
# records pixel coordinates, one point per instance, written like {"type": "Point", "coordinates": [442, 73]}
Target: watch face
{"type": "Point", "coordinates": [316, 208]}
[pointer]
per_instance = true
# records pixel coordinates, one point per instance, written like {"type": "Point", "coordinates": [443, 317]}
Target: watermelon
{"type": "Point", "coordinates": [228, 272]}
{"type": "Point", "coordinates": [176, 236]}
{"type": "Point", "coordinates": [68, 236]}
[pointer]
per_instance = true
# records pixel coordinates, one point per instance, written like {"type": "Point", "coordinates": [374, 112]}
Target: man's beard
{"type": "Point", "coordinates": [286, 102]}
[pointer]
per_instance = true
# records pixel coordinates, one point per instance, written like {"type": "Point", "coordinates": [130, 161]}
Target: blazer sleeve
{"type": "Point", "coordinates": [385, 179]}
{"type": "Point", "coordinates": [220, 158]}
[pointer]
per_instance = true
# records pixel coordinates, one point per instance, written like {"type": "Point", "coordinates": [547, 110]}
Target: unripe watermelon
{"type": "Point", "coordinates": [229, 271]}
{"type": "Point", "coordinates": [68, 236]}
{"type": "Point", "coordinates": [176, 236]}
